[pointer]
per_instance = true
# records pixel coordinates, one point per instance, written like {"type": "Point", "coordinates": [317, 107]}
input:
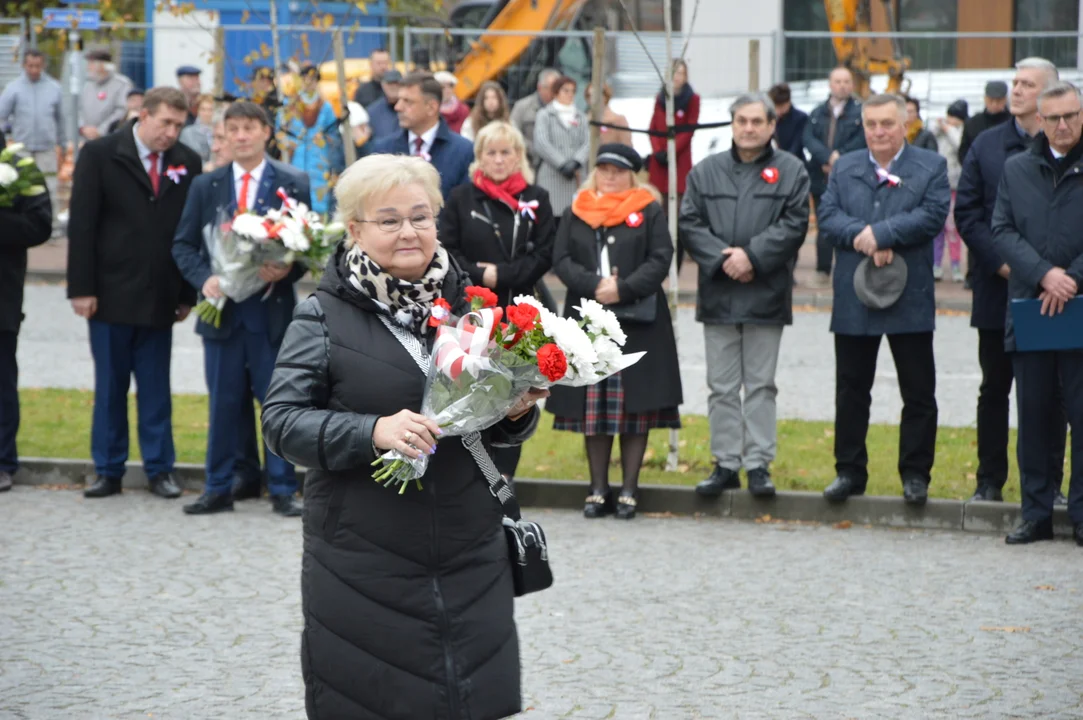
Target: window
{"type": "Point", "coordinates": [807, 58]}
{"type": "Point", "coordinates": [939, 16]}
{"type": "Point", "coordinates": [1043, 16]}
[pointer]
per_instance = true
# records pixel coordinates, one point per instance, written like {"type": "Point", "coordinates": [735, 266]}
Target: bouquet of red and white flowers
{"type": "Point", "coordinates": [482, 363]}
{"type": "Point", "coordinates": [239, 245]}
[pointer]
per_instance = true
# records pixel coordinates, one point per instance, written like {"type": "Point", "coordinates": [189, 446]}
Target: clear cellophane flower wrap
{"type": "Point", "coordinates": [471, 385]}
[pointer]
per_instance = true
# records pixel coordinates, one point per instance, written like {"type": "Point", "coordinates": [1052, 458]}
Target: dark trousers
{"type": "Point", "coordinates": [994, 405]}
{"type": "Point", "coordinates": [243, 357]}
{"type": "Point", "coordinates": [825, 250]}
{"type": "Point", "coordinates": [1037, 375]}
{"type": "Point", "coordinates": [9, 402]}
{"type": "Point", "coordinates": [248, 466]}
{"type": "Point", "coordinates": [119, 352]}
{"type": "Point", "coordinates": [855, 370]}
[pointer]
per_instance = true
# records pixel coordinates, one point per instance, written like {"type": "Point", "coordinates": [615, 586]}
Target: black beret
{"type": "Point", "coordinates": [620, 155]}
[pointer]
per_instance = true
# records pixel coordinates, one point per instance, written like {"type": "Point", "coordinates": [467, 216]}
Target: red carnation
{"type": "Point", "coordinates": [480, 297]}
{"type": "Point", "coordinates": [439, 313]}
{"type": "Point", "coordinates": [551, 362]}
{"type": "Point", "coordinates": [524, 317]}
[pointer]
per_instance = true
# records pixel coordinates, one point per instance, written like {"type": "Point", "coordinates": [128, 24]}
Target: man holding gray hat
{"type": "Point", "coordinates": [882, 209]}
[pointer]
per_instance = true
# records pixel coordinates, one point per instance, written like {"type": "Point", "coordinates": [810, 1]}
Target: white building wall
{"type": "Point", "coordinates": [719, 65]}
{"type": "Point", "coordinates": [184, 40]}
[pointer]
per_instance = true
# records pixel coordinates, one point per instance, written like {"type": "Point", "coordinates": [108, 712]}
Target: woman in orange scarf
{"type": "Point", "coordinates": [613, 246]}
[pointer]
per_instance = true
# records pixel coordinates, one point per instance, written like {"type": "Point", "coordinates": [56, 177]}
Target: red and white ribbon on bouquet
{"type": "Point", "coordinates": [287, 201]}
{"type": "Point", "coordinates": [465, 347]}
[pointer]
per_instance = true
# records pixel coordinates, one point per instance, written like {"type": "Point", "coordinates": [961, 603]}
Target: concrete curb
{"type": "Point", "coordinates": [982, 517]}
{"type": "Point", "coordinates": [819, 301]}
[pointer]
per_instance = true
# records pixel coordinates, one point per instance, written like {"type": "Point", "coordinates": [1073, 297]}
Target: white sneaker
{"type": "Point", "coordinates": [938, 273]}
{"type": "Point", "coordinates": [957, 275]}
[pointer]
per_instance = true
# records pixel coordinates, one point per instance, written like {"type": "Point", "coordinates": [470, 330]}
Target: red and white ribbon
{"type": "Point", "coordinates": [287, 201]}
{"type": "Point", "coordinates": [465, 348]}
{"type": "Point", "coordinates": [528, 208]}
{"type": "Point", "coordinates": [176, 172]}
{"type": "Point", "coordinates": [887, 177]}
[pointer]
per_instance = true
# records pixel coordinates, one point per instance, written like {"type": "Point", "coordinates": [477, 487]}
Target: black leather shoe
{"type": "Point", "coordinates": [626, 507]}
{"type": "Point", "coordinates": [6, 481]}
{"type": "Point", "coordinates": [915, 491]}
{"type": "Point", "coordinates": [759, 483]}
{"type": "Point", "coordinates": [287, 506]}
{"type": "Point", "coordinates": [1031, 531]}
{"type": "Point", "coordinates": [244, 489]}
{"type": "Point", "coordinates": [599, 505]}
{"type": "Point", "coordinates": [720, 479]}
{"type": "Point", "coordinates": [842, 488]}
{"type": "Point", "coordinates": [988, 494]}
{"type": "Point", "coordinates": [165, 486]}
{"type": "Point", "coordinates": [1077, 534]}
{"type": "Point", "coordinates": [208, 504]}
{"type": "Point", "coordinates": [1060, 500]}
{"type": "Point", "coordinates": [103, 486]}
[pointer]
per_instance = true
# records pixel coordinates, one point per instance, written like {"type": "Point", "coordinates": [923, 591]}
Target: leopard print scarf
{"type": "Point", "coordinates": [407, 303]}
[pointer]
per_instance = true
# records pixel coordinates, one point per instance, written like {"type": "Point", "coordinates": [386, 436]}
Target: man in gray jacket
{"type": "Point", "coordinates": [104, 97]}
{"type": "Point", "coordinates": [33, 105]}
{"type": "Point", "coordinates": [744, 217]}
{"type": "Point", "coordinates": [526, 110]}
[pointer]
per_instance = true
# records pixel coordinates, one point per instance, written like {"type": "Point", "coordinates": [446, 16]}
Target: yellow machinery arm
{"type": "Point", "coordinates": [491, 54]}
{"type": "Point", "coordinates": [864, 56]}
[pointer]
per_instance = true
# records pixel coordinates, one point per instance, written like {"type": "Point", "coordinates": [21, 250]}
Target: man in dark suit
{"type": "Point", "coordinates": [833, 129]}
{"type": "Point", "coordinates": [790, 127]}
{"type": "Point", "coordinates": [244, 347]}
{"type": "Point", "coordinates": [27, 223]}
{"type": "Point", "coordinates": [127, 195]}
{"type": "Point", "coordinates": [886, 204]}
{"type": "Point", "coordinates": [424, 132]}
{"type": "Point", "coordinates": [1036, 224]}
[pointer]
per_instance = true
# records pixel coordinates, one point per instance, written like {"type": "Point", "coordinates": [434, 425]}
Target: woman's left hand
{"type": "Point", "coordinates": [488, 279]}
{"type": "Point", "coordinates": [526, 403]}
{"type": "Point", "coordinates": [607, 293]}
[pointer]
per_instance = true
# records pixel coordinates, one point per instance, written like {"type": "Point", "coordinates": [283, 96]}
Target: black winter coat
{"type": "Point", "coordinates": [28, 223]}
{"type": "Point", "coordinates": [975, 200]}
{"type": "Point", "coordinates": [467, 231]}
{"type": "Point", "coordinates": [120, 236]}
{"type": "Point", "coordinates": [1036, 223]}
{"type": "Point", "coordinates": [642, 256]}
{"type": "Point", "coordinates": [849, 136]}
{"type": "Point", "coordinates": [407, 599]}
{"type": "Point", "coordinates": [976, 125]}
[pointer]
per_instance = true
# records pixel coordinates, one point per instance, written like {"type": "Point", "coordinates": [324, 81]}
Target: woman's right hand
{"type": "Point", "coordinates": [408, 432]}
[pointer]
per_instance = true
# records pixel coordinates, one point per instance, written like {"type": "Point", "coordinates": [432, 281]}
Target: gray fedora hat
{"type": "Point", "coordinates": [880, 287]}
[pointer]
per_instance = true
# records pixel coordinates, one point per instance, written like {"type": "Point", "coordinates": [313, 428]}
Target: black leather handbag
{"type": "Point", "coordinates": [643, 311]}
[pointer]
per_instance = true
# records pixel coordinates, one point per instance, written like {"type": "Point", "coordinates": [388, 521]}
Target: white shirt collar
{"type": "Point", "coordinates": [875, 164]}
{"type": "Point", "coordinates": [426, 138]}
{"type": "Point", "coordinates": [143, 150]}
{"type": "Point", "coordinates": [256, 173]}
{"type": "Point", "coordinates": [1056, 155]}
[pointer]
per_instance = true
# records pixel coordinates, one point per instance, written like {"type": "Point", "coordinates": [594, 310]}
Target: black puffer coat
{"type": "Point", "coordinates": [407, 599]}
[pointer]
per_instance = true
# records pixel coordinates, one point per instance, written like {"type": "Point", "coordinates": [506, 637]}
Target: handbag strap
{"type": "Point", "coordinates": [498, 485]}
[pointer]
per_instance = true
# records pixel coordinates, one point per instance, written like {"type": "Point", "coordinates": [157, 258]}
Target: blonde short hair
{"type": "Point", "coordinates": [591, 183]}
{"type": "Point", "coordinates": [501, 130]}
{"type": "Point", "coordinates": [377, 175]}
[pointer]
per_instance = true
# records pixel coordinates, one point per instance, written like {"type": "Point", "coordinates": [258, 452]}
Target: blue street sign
{"type": "Point", "coordinates": [64, 18]}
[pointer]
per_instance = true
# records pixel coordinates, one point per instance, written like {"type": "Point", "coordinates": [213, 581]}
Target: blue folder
{"type": "Point", "coordinates": [1035, 332]}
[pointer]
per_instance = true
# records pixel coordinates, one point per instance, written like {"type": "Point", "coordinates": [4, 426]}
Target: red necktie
{"type": "Point", "coordinates": [242, 201]}
{"type": "Point", "coordinates": [155, 180]}
{"type": "Point", "coordinates": [419, 143]}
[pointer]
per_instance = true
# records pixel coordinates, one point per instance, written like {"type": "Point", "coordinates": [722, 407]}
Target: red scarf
{"type": "Point", "coordinates": [504, 192]}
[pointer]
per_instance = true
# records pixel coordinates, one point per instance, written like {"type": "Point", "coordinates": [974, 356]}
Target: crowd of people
{"type": "Point", "coordinates": [517, 201]}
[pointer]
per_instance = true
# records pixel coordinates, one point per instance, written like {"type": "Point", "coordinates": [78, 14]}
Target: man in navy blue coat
{"type": "Point", "coordinates": [246, 344]}
{"type": "Point", "coordinates": [425, 134]}
{"type": "Point", "coordinates": [886, 203]}
{"type": "Point", "coordinates": [975, 200]}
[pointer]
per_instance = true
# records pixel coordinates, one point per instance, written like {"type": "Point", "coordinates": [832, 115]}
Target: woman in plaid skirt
{"type": "Point", "coordinates": [613, 245]}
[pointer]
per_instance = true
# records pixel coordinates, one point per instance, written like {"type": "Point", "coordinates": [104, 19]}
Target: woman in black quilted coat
{"type": "Point", "coordinates": [407, 599]}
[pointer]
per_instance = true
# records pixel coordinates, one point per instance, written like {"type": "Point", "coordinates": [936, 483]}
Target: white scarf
{"type": "Point", "coordinates": [568, 114]}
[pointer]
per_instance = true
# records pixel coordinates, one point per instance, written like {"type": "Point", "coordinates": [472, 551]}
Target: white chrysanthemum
{"type": "Point", "coordinates": [293, 236]}
{"type": "Point", "coordinates": [8, 175]}
{"type": "Point", "coordinates": [601, 321]}
{"type": "Point", "coordinates": [528, 300]}
{"type": "Point", "coordinates": [274, 215]}
{"type": "Point", "coordinates": [250, 226]}
{"type": "Point", "coordinates": [609, 355]}
{"type": "Point", "coordinates": [571, 339]}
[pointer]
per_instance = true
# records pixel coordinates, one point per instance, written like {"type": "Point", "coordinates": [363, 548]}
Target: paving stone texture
{"type": "Point", "coordinates": [126, 608]}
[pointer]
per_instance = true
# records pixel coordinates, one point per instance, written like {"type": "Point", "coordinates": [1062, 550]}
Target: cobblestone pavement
{"type": "Point", "coordinates": [125, 608]}
{"type": "Point", "coordinates": [54, 352]}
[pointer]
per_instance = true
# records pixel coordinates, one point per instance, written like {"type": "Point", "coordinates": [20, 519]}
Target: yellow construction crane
{"type": "Point", "coordinates": [864, 56]}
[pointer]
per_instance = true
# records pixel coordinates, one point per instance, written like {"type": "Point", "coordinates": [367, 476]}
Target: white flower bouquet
{"type": "Point", "coordinates": [18, 177]}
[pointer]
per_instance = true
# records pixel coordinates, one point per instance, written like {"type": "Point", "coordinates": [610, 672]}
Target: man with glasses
{"type": "Point", "coordinates": [975, 200]}
{"type": "Point", "coordinates": [1036, 225]}
{"type": "Point", "coordinates": [241, 351]}
{"type": "Point", "coordinates": [425, 134]}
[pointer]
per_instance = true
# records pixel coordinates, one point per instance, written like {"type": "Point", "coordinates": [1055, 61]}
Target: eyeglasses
{"type": "Point", "coordinates": [1068, 118]}
{"type": "Point", "coordinates": [421, 221]}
